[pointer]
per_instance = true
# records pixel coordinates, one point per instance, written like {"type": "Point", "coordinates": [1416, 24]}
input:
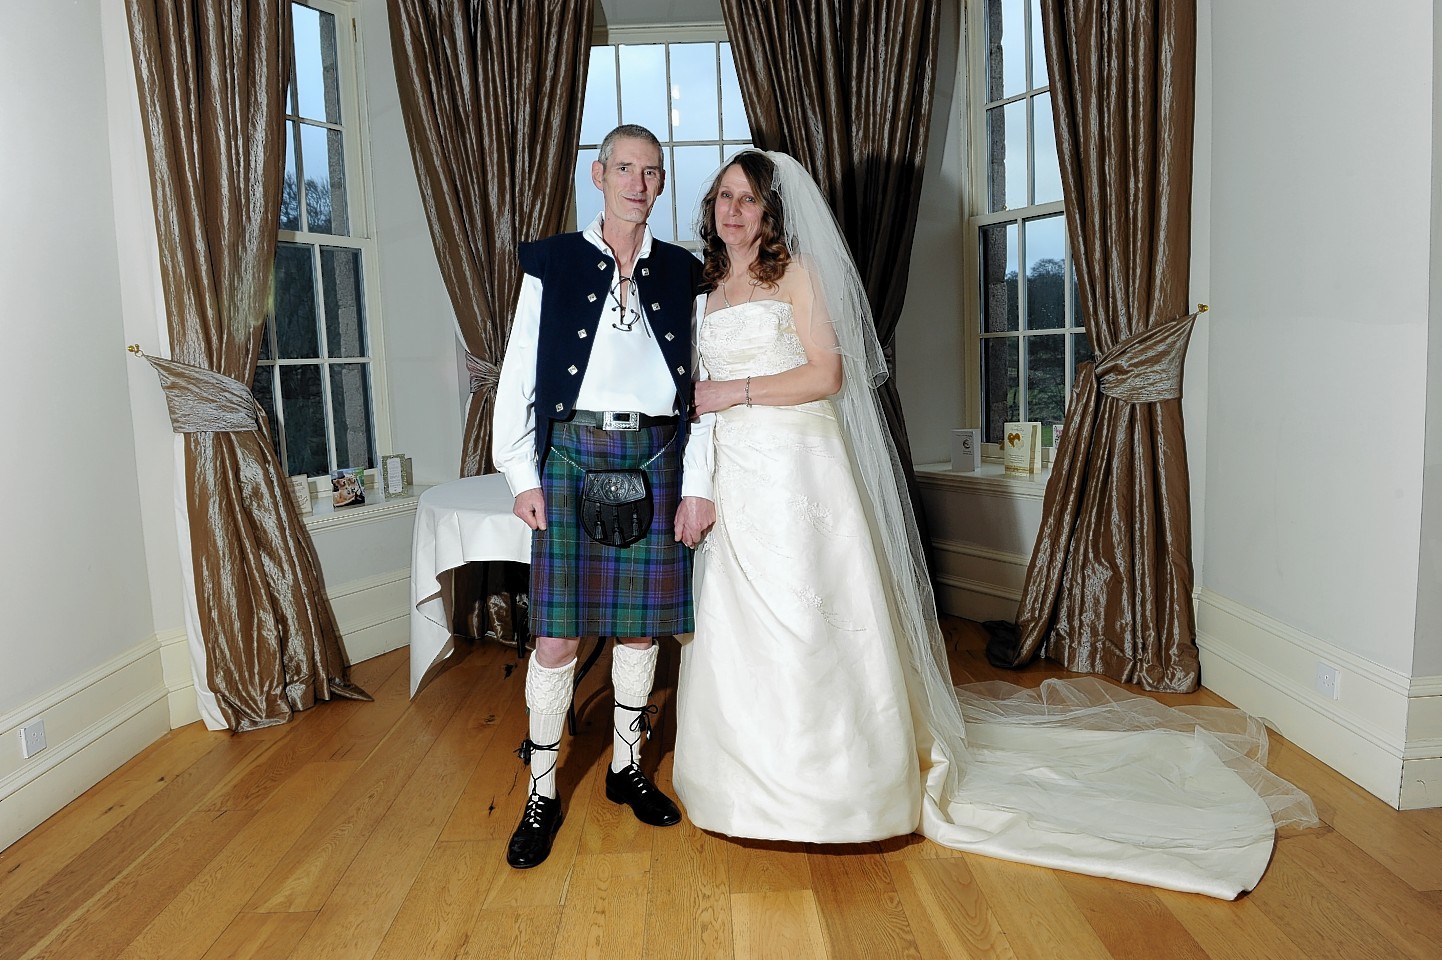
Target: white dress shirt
{"type": "Point", "coordinates": [627, 371]}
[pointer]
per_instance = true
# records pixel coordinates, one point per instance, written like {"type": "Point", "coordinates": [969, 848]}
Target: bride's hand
{"type": "Point", "coordinates": [713, 395]}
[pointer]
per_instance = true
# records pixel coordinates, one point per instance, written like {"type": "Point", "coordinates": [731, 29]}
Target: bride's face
{"type": "Point", "coordinates": [738, 211]}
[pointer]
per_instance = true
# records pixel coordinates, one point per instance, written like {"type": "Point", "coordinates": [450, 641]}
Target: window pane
{"type": "Point", "coordinates": [643, 87]}
{"type": "Point", "coordinates": [1038, 50]}
{"type": "Point", "coordinates": [1005, 48]}
{"type": "Point", "coordinates": [588, 199]}
{"type": "Point", "coordinates": [998, 277]}
{"type": "Point", "coordinates": [598, 117]}
{"type": "Point", "coordinates": [350, 391]}
{"type": "Point", "coordinates": [999, 377]}
{"type": "Point", "coordinates": [323, 162]}
{"type": "Point", "coordinates": [1046, 378]}
{"type": "Point", "coordinates": [1044, 163]}
{"type": "Point", "coordinates": [1045, 273]}
{"type": "Point", "coordinates": [265, 351]}
{"type": "Point", "coordinates": [1081, 351]}
{"type": "Point", "coordinates": [694, 114]}
{"type": "Point", "coordinates": [295, 321]}
{"type": "Point", "coordinates": [1006, 155]}
{"type": "Point", "coordinates": [733, 112]}
{"type": "Point", "coordinates": [662, 221]}
{"type": "Point", "coordinates": [694, 166]}
{"type": "Point", "coordinates": [316, 77]}
{"type": "Point", "coordinates": [340, 275]}
{"type": "Point", "coordinates": [263, 386]}
{"type": "Point", "coordinates": [290, 186]}
{"type": "Point", "coordinates": [1078, 316]}
{"type": "Point", "coordinates": [304, 411]}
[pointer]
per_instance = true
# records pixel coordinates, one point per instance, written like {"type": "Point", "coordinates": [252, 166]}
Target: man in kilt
{"type": "Point", "coordinates": [597, 376]}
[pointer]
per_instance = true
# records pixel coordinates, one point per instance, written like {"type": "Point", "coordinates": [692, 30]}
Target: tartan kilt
{"type": "Point", "coordinates": [580, 588]}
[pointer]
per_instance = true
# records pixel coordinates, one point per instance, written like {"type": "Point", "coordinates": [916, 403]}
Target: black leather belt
{"type": "Point", "coordinates": [619, 419]}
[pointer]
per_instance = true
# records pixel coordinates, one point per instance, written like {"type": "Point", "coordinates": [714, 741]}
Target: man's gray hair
{"type": "Point", "coordinates": [626, 131]}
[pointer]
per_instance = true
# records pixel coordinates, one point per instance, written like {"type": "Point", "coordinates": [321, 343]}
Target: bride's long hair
{"type": "Point", "coordinates": [772, 256]}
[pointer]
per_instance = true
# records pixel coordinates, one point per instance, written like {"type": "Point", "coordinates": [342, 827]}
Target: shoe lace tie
{"type": "Point", "coordinates": [641, 726]}
{"type": "Point", "coordinates": [529, 747]}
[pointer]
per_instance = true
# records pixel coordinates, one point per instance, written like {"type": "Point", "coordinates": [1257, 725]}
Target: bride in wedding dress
{"type": "Point", "coordinates": [814, 701]}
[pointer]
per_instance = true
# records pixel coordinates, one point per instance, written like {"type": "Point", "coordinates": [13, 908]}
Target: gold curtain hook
{"type": "Point", "coordinates": [135, 349]}
{"type": "Point", "coordinates": [1202, 308]}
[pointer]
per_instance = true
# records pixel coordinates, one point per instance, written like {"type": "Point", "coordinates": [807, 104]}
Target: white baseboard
{"type": "Point", "coordinates": [93, 725]}
{"type": "Point", "coordinates": [100, 720]}
{"type": "Point", "coordinates": [1422, 756]}
{"type": "Point", "coordinates": [373, 615]}
{"type": "Point", "coordinates": [1384, 730]}
{"type": "Point", "coordinates": [179, 680]}
{"type": "Point", "coordinates": [976, 582]}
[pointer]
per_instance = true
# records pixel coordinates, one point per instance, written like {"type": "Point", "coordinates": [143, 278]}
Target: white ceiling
{"type": "Point", "coordinates": [629, 13]}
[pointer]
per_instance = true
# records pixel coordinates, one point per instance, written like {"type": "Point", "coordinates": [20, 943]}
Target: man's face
{"type": "Point", "coordinates": [632, 180]}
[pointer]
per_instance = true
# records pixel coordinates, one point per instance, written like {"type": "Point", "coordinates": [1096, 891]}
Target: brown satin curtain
{"type": "Point", "coordinates": [212, 78]}
{"type": "Point", "coordinates": [846, 87]}
{"type": "Point", "coordinates": [1109, 589]}
{"type": "Point", "coordinates": [491, 92]}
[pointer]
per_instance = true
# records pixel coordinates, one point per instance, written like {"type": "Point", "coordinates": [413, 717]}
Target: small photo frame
{"type": "Point", "coordinates": [348, 487]}
{"type": "Point", "coordinates": [394, 477]}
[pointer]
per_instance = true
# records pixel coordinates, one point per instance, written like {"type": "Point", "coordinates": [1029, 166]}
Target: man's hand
{"type": "Point", "coordinates": [709, 396]}
{"type": "Point", "coordinates": [694, 517]}
{"type": "Point", "coordinates": [531, 507]}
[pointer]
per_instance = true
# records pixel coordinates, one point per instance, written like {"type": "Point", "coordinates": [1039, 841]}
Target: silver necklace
{"type": "Point", "coordinates": [754, 285]}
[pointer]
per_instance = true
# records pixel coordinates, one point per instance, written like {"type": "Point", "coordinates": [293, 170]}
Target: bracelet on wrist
{"type": "Point", "coordinates": [748, 392]}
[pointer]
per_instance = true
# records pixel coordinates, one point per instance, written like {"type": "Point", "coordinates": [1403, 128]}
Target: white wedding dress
{"type": "Point", "coordinates": [802, 714]}
{"type": "Point", "coordinates": [793, 717]}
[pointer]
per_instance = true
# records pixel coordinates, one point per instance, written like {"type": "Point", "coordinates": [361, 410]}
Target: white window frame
{"type": "Point", "coordinates": [665, 34]}
{"type": "Point", "coordinates": [360, 210]}
{"type": "Point", "coordinates": [975, 217]}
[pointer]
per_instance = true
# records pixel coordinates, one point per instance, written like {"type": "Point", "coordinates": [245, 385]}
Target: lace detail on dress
{"type": "Point", "coordinates": [815, 513]}
{"type": "Point", "coordinates": [750, 340]}
{"type": "Point", "coordinates": [817, 604]}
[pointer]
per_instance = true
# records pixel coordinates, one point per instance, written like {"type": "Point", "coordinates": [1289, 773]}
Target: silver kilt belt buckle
{"type": "Point", "coordinates": [620, 420]}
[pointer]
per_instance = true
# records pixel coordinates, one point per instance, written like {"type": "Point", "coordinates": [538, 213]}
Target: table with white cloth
{"type": "Point", "coordinates": [457, 523]}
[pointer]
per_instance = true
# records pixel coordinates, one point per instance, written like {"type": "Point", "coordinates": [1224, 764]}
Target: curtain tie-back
{"type": "Point", "coordinates": [484, 374]}
{"type": "Point", "coordinates": [203, 401]}
{"type": "Point", "coordinates": [1147, 367]}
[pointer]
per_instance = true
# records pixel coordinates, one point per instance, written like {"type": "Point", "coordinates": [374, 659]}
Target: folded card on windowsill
{"type": "Point", "coordinates": [1021, 447]}
{"type": "Point", "coordinates": [966, 450]}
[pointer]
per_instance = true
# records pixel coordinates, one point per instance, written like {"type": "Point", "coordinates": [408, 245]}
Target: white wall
{"type": "Point", "coordinates": [1321, 182]}
{"type": "Point", "coordinates": [1427, 660]}
{"type": "Point", "coordinates": [74, 582]}
{"type": "Point", "coordinates": [77, 637]}
{"type": "Point", "coordinates": [929, 357]}
{"type": "Point", "coordinates": [1194, 377]}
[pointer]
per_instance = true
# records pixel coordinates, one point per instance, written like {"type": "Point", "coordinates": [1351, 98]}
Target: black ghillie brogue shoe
{"type": "Point", "coordinates": [531, 843]}
{"type": "Point", "coordinates": [632, 787]}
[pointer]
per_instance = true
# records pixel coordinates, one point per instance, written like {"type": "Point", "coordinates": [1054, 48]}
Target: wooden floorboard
{"type": "Point", "coordinates": [377, 831]}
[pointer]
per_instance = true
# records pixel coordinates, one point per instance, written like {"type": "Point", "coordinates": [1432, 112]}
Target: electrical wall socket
{"type": "Point", "coordinates": [32, 738]}
{"type": "Point", "coordinates": [1328, 680]}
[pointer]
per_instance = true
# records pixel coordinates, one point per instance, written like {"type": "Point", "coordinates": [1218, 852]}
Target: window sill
{"type": "Point", "coordinates": [991, 480]}
{"type": "Point", "coordinates": [326, 516]}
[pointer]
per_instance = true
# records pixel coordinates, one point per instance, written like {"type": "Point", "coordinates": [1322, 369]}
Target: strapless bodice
{"type": "Point", "coordinates": [750, 340]}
